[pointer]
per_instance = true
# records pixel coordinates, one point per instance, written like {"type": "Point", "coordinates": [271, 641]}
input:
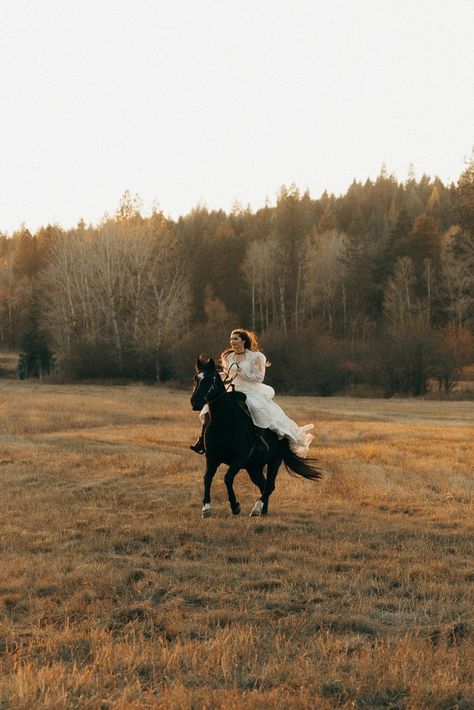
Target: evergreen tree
{"type": "Point", "coordinates": [36, 358]}
{"type": "Point", "coordinates": [289, 250]}
{"type": "Point", "coordinates": [465, 192]}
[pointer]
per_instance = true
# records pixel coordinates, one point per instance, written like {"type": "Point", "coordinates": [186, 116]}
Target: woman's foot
{"type": "Point", "coordinates": [198, 447]}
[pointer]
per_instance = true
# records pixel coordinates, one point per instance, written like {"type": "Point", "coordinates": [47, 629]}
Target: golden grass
{"type": "Point", "coordinates": [356, 591]}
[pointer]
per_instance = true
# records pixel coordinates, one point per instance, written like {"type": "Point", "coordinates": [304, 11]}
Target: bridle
{"type": "Point", "coordinates": [228, 382]}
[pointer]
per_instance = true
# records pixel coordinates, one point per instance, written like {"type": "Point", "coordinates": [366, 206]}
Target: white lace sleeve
{"type": "Point", "coordinates": [255, 372]}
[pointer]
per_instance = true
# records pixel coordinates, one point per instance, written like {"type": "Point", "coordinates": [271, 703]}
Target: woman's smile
{"type": "Point", "coordinates": [237, 343]}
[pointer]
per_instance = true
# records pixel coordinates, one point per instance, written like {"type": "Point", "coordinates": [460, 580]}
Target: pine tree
{"type": "Point", "coordinates": [465, 191]}
{"type": "Point", "coordinates": [36, 358]}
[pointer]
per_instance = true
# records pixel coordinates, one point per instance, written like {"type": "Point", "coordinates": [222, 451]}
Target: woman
{"type": "Point", "coordinates": [245, 365]}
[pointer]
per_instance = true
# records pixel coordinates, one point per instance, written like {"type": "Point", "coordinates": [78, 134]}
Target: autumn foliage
{"type": "Point", "coordinates": [372, 288]}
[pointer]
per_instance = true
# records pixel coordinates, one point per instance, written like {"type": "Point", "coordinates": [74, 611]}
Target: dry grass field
{"type": "Point", "coordinates": [355, 592]}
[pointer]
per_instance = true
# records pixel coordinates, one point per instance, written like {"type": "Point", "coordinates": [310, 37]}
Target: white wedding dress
{"type": "Point", "coordinates": [249, 374]}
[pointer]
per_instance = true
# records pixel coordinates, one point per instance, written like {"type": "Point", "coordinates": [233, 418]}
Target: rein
{"type": "Point", "coordinates": [227, 382]}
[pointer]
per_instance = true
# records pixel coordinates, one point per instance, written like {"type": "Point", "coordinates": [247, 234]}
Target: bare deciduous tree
{"type": "Point", "coordinates": [400, 302]}
{"type": "Point", "coordinates": [123, 283]}
{"type": "Point", "coordinates": [323, 275]}
{"type": "Point", "coordinates": [14, 293]}
{"type": "Point", "coordinates": [458, 276]}
{"type": "Point", "coordinates": [259, 271]}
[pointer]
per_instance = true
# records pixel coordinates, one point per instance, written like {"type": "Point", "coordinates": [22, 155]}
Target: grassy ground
{"type": "Point", "coordinates": [355, 592]}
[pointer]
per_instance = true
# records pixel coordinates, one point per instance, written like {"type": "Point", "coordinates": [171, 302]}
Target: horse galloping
{"type": "Point", "coordinates": [230, 438]}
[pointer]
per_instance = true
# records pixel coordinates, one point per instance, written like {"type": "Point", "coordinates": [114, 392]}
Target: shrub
{"type": "Point", "coordinates": [306, 362]}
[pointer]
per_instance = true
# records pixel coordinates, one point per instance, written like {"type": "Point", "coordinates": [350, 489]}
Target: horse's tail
{"type": "Point", "coordinates": [295, 465]}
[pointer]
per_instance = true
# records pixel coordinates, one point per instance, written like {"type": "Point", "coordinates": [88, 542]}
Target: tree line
{"type": "Point", "coordinates": [371, 289]}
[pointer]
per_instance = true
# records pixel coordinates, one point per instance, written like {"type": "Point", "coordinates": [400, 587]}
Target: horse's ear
{"type": "Point", "coordinates": [209, 365]}
{"type": "Point", "coordinates": [203, 361]}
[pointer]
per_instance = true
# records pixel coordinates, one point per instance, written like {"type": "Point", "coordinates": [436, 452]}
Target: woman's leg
{"type": "Point", "coordinates": [198, 447]}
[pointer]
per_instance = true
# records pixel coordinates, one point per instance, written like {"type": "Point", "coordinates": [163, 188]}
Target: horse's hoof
{"type": "Point", "coordinates": [256, 510]}
{"type": "Point", "coordinates": [206, 511]}
{"type": "Point", "coordinates": [236, 510]}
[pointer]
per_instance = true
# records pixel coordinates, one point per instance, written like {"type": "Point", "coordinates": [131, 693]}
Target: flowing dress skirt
{"type": "Point", "coordinates": [267, 414]}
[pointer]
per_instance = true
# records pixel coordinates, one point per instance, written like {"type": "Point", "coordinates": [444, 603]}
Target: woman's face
{"type": "Point", "coordinates": [237, 342]}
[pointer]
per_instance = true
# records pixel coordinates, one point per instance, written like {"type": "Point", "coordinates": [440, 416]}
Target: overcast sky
{"type": "Point", "coordinates": [215, 101]}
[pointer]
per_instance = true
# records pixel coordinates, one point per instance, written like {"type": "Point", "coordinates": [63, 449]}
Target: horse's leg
{"type": "Point", "coordinates": [272, 471]}
{"type": "Point", "coordinates": [232, 471]}
{"type": "Point", "coordinates": [211, 468]}
{"type": "Point", "coordinates": [257, 477]}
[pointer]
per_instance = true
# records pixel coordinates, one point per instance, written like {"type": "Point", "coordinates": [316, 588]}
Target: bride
{"type": "Point", "coordinates": [245, 365]}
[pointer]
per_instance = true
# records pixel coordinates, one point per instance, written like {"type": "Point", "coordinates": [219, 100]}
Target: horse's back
{"type": "Point", "coordinates": [235, 394]}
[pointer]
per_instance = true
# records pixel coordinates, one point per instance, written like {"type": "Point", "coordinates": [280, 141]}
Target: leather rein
{"type": "Point", "coordinates": [227, 382]}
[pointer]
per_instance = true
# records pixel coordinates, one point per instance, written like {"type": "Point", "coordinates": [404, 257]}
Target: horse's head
{"type": "Point", "coordinates": [208, 384]}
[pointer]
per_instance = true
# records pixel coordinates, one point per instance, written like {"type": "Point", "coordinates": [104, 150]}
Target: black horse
{"type": "Point", "coordinates": [230, 438]}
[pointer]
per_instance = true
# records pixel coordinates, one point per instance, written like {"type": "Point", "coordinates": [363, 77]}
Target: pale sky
{"type": "Point", "coordinates": [216, 101]}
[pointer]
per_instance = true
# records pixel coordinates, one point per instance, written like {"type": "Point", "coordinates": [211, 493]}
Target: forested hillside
{"type": "Point", "coordinates": [374, 288]}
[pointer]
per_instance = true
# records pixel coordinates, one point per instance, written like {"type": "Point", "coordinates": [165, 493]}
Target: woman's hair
{"type": "Point", "coordinates": [250, 342]}
{"type": "Point", "coordinates": [249, 338]}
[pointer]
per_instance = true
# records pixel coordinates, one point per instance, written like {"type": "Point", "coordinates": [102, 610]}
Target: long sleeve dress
{"type": "Point", "coordinates": [249, 375]}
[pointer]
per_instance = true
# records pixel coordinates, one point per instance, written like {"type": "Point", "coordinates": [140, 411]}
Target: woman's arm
{"type": "Point", "coordinates": [255, 371]}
